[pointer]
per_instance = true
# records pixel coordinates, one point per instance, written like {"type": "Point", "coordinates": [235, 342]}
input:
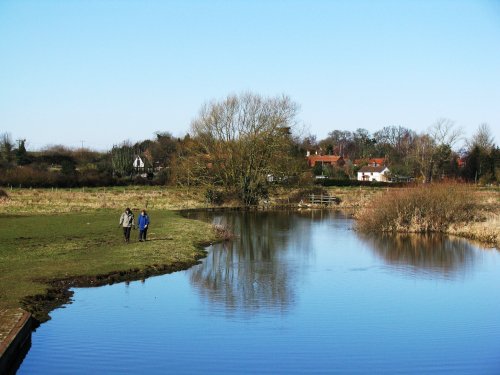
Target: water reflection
{"type": "Point", "coordinates": [254, 272]}
{"type": "Point", "coordinates": [259, 270]}
{"type": "Point", "coordinates": [433, 255]}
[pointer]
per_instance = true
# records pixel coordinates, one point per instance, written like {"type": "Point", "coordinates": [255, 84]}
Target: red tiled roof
{"type": "Point", "coordinates": [379, 161]}
{"type": "Point", "coordinates": [332, 159]}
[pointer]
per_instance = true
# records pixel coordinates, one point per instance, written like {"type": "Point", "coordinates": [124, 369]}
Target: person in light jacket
{"type": "Point", "coordinates": [143, 224]}
{"type": "Point", "coordinates": [127, 222]}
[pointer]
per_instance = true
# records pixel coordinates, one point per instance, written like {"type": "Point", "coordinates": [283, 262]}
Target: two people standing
{"type": "Point", "coordinates": [127, 222]}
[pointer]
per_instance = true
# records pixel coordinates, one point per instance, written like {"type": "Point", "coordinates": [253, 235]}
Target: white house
{"type": "Point", "coordinates": [138, 163]}
{"type": "Point", "coordinates": [370, 173]}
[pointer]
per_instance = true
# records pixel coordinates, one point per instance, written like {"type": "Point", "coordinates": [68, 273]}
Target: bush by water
{"type": "Point", "coordinates": [419, 209]}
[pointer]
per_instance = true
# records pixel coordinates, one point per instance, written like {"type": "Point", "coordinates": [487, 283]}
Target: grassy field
{"type": "Point", "coordinates": [33, 201]}
{"type": "Point", "coordinates": [36, 250]}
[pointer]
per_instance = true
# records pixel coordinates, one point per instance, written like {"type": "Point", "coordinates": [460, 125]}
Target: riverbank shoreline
{"type": "Point", "coordinates": [50, 202]}
{"type": "Point", "coordinates": [59, 292]}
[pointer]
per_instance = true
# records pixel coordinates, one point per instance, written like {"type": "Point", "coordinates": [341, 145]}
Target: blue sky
{"type": "Point", "coordinates": [106, 71]}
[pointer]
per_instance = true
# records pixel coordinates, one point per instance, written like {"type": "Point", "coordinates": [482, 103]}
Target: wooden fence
{"type": "Point", "coordinates": [323, 199]}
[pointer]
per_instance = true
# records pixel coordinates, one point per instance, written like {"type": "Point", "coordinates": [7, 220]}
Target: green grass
{"type": "Point", "coordinates": [37, 249]}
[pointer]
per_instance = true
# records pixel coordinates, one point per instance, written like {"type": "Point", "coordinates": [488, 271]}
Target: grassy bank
{"type": "Point", "coordinates": [32, 201]}
{"type": "Point", "coordinates": [42, 255]}
{"type": "Point", "coordinates": [457, 209]}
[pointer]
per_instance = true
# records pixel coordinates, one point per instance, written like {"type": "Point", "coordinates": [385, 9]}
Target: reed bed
{"type": "Point", "coordinates": [486, 231]}
{"type": "Point", "coordinates": [420, 209]}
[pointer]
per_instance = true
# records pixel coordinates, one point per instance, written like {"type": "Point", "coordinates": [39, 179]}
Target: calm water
{"type": "Point", "coordinates": [294, 293]}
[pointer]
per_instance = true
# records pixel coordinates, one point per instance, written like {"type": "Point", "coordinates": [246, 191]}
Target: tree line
{"type": "Point", "coordinates": [244, 143]}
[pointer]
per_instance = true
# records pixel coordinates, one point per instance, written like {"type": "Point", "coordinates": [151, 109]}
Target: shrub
{"type": "Point", "coordinates": [223, 231]}
{"type": "Point", "coordinates": [421, 209]}
{"type": "Point", "coordinates": [3, 194]}
{"type": "Point", "coordinates": [214, 196]}
{"type": "Point", "coordinates": [37, 176]}
{"type": "Point", "coordinates": [163, 177]}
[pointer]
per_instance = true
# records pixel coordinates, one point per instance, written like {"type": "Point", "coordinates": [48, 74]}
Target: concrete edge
{"type": "Point", "coordinates": [15, 346]}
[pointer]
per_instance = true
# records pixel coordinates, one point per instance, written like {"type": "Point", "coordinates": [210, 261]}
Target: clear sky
{"type": "Point", "coordinates": [105, 71]}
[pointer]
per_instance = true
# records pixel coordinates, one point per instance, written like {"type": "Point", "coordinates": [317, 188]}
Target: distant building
{"type": "Point", "coordinates": [371, 173]}
{"type": "Point", "coordinates": [461, 162]}
{"type": "Point", "coordinates": [138, 164]}
{"type": "Point", "coordinates": [334, 160]}
{"type": "Point", "coordinates": [373, 162]}
{"type": "Point", "coordinates": [143, 167]}
{"type": "Point", "coordinates": [377, 162]}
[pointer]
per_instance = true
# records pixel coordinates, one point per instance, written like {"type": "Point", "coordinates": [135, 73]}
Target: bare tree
{"type": "Point", "coordinates": [482, 138]}
{"type": "Point", "coordinates": [482, 161]}
{"type": "Point", "coordinates": [244, 139]}
{"type": "Point", "coordinates": [433, 151]}
{"type": "Point", "coordinates": [399, 139]}
{"type": "Point", "coordinates": [444, 132]}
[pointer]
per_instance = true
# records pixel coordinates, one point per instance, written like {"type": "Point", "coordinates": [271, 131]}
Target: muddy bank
{"type": "Point", "coordinates": [58, 293]}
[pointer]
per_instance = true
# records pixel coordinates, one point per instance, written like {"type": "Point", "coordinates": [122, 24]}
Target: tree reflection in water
{"type": "Point", "coordinates": [419, 254]}
{"type": "Point", "coordinates": [255, 272]}
{"type": "Point", "coordinates": [259, 270]}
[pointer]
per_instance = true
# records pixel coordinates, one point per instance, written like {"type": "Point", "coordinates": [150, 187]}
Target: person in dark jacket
{"type": "Point", "coordinates": [127, 222]}
{"type": "Point", "coordinates": [143, 224]}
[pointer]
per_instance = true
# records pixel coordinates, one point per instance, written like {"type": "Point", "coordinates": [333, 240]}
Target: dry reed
{"type": "Point", "coordinates": [420, 209]}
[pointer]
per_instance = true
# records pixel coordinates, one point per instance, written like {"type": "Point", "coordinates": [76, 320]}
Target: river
{"type": "Point", "coordinates": [293, 293]}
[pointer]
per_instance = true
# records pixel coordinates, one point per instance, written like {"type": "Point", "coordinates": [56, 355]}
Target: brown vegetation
{"type": "Point", "coordinates": [42, 201]}
{"type": "Point", "coordinates": [419, 209]}
{"type": "Point", "coordinates": [3, 194]}
{"type": "Point", "coordinates": [223, 232]}
{"type": "Point", "coordinates": [457, 209]}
